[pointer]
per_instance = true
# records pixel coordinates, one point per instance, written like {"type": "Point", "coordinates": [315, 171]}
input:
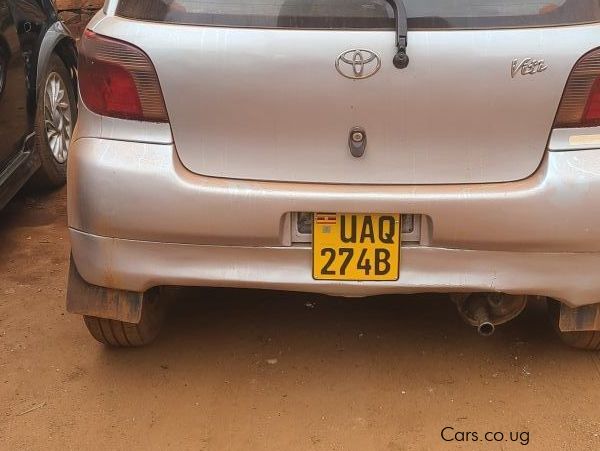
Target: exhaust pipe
{"type": "Point", "coordinates": [481, 315]}
{"type": "Point", "coordinates": [485, 311]}
{"type": "Point", "coordinates": [486, 329]}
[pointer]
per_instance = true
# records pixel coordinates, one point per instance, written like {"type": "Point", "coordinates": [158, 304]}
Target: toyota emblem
{"type": "Point", "coordinates": [357, 64]}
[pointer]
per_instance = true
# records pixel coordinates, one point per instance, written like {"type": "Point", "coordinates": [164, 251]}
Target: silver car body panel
{"type": "Point", "coordinates": [91, 125]}
{"type": "Point", "coordinates": [265, 104]}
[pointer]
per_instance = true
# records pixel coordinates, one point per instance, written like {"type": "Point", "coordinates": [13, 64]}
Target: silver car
{"type": "Point", "coordinates": [344, 147]}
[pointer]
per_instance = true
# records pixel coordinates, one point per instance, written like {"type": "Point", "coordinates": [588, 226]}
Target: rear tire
{"type": "Point", "coordinates": [587, 340]}
{"type": "Point", "coordinates": [53, 170]}
{"type": "Point", "coordinates": [120, 334]}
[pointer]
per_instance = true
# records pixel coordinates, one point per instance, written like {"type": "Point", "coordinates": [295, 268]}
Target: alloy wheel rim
{"type": "Point", "coordinates": [57, 117]}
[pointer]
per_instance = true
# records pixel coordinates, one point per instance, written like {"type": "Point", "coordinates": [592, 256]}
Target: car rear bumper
{"type": "Point", "coordinates": [140, 265]}
{"type": "Point", "coordinates": [138, 219]}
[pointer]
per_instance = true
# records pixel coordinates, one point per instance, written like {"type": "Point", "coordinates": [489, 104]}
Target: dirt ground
{"type": "Point", "coordinates": [260, 370]}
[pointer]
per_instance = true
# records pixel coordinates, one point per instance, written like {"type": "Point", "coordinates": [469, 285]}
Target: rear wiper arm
{"type": "Point", "coordinates": [401, 59]}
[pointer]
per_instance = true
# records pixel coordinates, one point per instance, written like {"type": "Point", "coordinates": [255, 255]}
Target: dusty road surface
{"type": "Point", "coordinates": [258, 370]}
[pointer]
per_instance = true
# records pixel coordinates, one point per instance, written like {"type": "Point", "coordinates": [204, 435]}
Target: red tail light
{"type": "Point", "coordinates": [580, 105]}
{"type": "Point", "coordinates": [592, 110]}
{"type": "Point", "coordinates": [117, 79]}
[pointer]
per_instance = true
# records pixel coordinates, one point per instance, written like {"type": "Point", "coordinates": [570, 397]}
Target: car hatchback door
{"type": "Point", "coordinates": [276, 90]}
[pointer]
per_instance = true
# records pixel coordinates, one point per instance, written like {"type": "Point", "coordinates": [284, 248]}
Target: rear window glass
{"type": "Point", "coordinates": [364, 14]}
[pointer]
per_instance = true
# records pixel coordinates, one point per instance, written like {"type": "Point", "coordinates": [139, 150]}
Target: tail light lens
{"type": "Point", "coordinates": [580, 105]}
{"type": "Point", "coordinates": [117, 79]}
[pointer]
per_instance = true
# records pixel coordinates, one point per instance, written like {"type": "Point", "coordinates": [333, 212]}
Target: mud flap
{"type": "Point", "coordinates": [91, 300]}
{"type": "Point", "coordinates": [581, 319]}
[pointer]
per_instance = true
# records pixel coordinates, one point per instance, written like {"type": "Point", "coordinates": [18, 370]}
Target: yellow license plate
{"type": "Point", "coordinates": [356, 246]}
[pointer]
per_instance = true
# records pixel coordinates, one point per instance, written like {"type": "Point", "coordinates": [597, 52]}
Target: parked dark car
{"type": "Point", "coordinates": [38, 96]}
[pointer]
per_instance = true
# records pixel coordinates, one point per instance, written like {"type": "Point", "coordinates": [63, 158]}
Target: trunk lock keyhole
{"type": "Point", "coordinates": [357, 142]}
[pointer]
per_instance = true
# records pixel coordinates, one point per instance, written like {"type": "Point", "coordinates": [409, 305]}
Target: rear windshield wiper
{"type": "Point", "coordinates": [401, 59]}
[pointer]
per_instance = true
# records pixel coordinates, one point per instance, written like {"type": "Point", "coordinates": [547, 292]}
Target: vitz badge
{"type": "Point", "coordinates": [528, 66]}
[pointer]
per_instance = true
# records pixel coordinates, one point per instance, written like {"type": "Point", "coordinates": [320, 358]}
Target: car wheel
{"type": "Point", "coordinates": [126, 335]}
{"type": "Point", "coordinates": [588, 340]}
{"type": "Point", "coordinates": [55, 121]}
